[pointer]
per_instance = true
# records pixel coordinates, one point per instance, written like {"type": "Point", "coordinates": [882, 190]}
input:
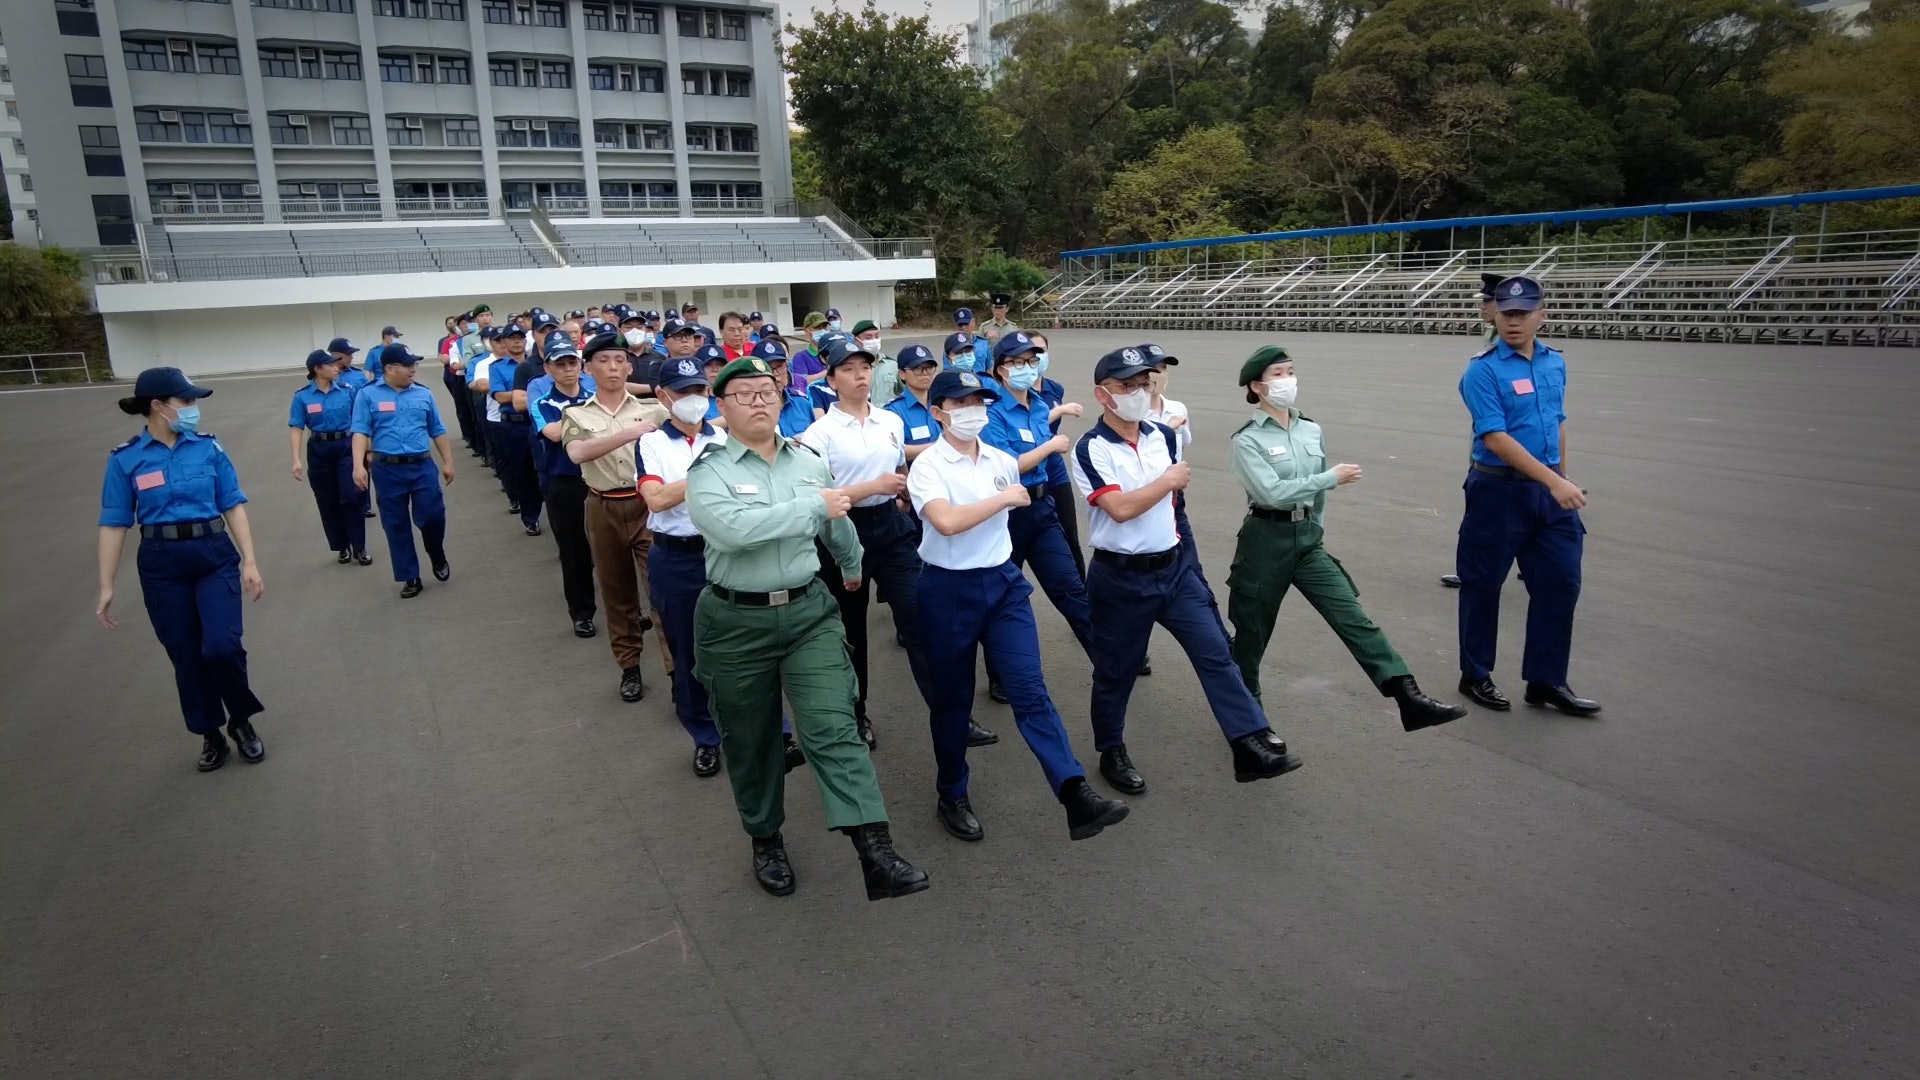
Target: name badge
{"type": "Point", "coordinates": [1278, 451]}
{"type": "Point", "coordinates": [1523, 386]}
{"type": "Point", "coordinates": [149, 481]}
{"type": "Point", "coordinates": [1026, 435]}
{"type": "Point", "coordinates": [746, 489]}
{"type": "Point", "coordinates": [920, 433]}
{"type": "Point", "coordinates": [315, 407]}
{"type": "Point", "coordinates": [387, 406]}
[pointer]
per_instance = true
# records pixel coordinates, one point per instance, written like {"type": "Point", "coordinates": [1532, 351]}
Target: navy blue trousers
{"type": "Point", "coordinates": [410, 496]}
{"type": "Point", "coordinates": [516, 469]}
{"type": "Point", "coordinates": [1039, 543]}
{"type": "Point", "coordinates": [674, 580]}
{"type": "Point", "coordinates": [890, 541]}
{"type": "Point", "coordinates": [192, 592]}
{"type": "Point", "coordinates": [959, 611]}
{"type": "Point", "coordinates": [342, 506]}
{"type": "Point", "coordinates": [1509, 519]}
{"type": "Point", "coordinates": [1125, 606]}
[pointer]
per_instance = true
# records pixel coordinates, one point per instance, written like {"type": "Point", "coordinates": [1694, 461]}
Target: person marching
{"type": "Point", "coordinates": [918, 367]}
{"type": "Point", "coordinates": [516, 453]}
{"type": "Point", "coordinates": [1128, 469]}
{"type": "Point", "coordinates": [323, 409]}
{"type": "Point", "coordinates": [676, 567]}
{"type": "Point", "coordinates": [562, 387]}
{"type": "Point", "coordinates": [886, 371]}
{"type": "Point", "coordinates": [765, 627]}
{"type": "Point", "coordinates": [177, 485]}
{"type": "Point", "coordinates": [397, 425]}
{"type": "Point", "coordinates": [796, 410]}
{"type": "Point", "coordinates": [599, 436]}
{"type": "Point", "coordinates": [1490, 330]}
{"type": "Point", "coordinates": [1059, 482]}
{"type": "Point", "coordinates": [864, 448]}
{"type": "Point", "coordinates": [1279, 457]}
{"type": "Point", "coordinates": [353, 378]}
{"type": "Point", "coordinates": [972, 595]}
{"type": "Point", "coordinates": [1520, 505]}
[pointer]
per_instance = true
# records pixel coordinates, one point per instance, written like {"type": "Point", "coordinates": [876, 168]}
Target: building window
{"type": "Point", "coordinates": [87, 79]}
{"type": "Point", "coordinates": [689, 19]}
{"type": "Point", "coordinates": [462, 132]}
{"type": "Point", "coordinates": [289, 129]}
{"type": "Point", "coordinates": [597, 16]}
{"type": "Point", "coordinates": [76, 18]}
{"type": "Point", "coordinates": [511, 132]}
{"type": "Point", "coordinates": [722, 139]}
{"type": "Point", "coordinates": [233, 129]}
{"type": "Point", "coordinates": [556, 75]}
{"type": "Point", "coordinates": [699, 137]}
{"type": "Point", "coordinates": [20, 145]}
{"type": "Point", "coordinates": [278, 63]}
{"type": "Point", "coordinates": [739, 84]}
{"type": "Point", "coordinates": [629, 135]}
{"type": "Point", "coordinates": [113, 219]}
{"type": "Point", "coordinates": [497, 11]}
{"type": "Point", "coordinates": [549, 13]}
{"type": "Point", "coordinates": [352, 131]}
{"type": "Point", "coordinates": [343, 65]}
{"type": "Point", "coordinates": [218, 59]}
{"type": "Point", "coordinates": [104, 164]}
{"type": "Point", "coordinates": [453, 70]}
{"type": "Point", "coordinates": [726, 195]}
{"type": "Point", "coordinates": [344, 7]}
{"type": "Point", "coordinates": [733, 26]}
{"type": "Point", "coordinates": [399, 69]}
{"type": "Point", "coordinates": [406, 131]}
{"type": "Point", "coordinates": [141, 56]}
{"type": "Point", "coordinates": [504, 72]}
{"type": "Point", "coordinates": [449, 10]}
{"type": "Point", "coordinates": [693, 81]}
{"type": "Point", "coordinates": [95, 67]}
{"type": "Point", "coordinates": [599, 76]}
{"type": "Point", "coordinates": [537, 134]}
{"type": "Point", "coordinates": [151, 126]}
{"type": "Point", "coordinates": [26, 182]}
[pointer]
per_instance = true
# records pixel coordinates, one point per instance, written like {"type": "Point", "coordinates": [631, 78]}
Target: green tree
{"type": "Point", "coordinates": [1183, 190]}
{"type": "Point", "coordinates": [1190, 71]}
{"type": "Point", "coordinates": [808, 182]}
{"type": "Point", "coordinates": [999, 272]}
{"type": "Point", "coordinates": [39, 283]}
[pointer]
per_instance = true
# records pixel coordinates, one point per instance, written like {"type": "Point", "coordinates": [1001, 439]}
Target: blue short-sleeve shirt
{"type": "Point", "coordinates": [796, 413]}
{"type": "Point", "coordinates": [321, 410]}
{"type": "Point", "coordinates": [915, 417]}
{"type": "Point", "coordinates": [398, 421]}
{"type": "Point", "coordinates": [500, 379]}
{"type": "Point", "coordinates": [546, 402]}
{"type": "Point", "coordinates": [1526, 399]}
{"type": "Point", "coordinates": [1019, 429]}
{"type": "Point", "coordinates": [149, 483]}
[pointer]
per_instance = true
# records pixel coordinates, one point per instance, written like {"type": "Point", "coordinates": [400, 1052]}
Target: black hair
{"type": "Point", "coordinates": [138, 405]}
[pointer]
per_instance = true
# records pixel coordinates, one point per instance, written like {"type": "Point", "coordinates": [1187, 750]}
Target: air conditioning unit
{"type": "Point", "coordinates": [371, 189]}
{"type": "Point", "coordinates": [179, 45]}
{"type": "Point", "coordinates": [250, 189]}
{"type": "Point", "coordinates": [241, 119]}
{"type": "Point", "coordinates": [309, 54]}
{"type": "Point", "coordinates": [169, 116]}
{"type": "Point", "coordinates": [181, 191]}
{"type": "Point", "coordinates": [309, 189]}
{"type": "Point", "coordinates": [539, 125]}
{"type": "Point", "coordinates": [414, 123]}
{"type": "Point", "coordinates": [519, 125]}
{"type": "Point", "coordinates": [295, 119]}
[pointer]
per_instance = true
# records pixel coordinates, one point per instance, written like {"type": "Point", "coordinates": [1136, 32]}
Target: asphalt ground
{"type": "Point", "coordinates": [465, 857]}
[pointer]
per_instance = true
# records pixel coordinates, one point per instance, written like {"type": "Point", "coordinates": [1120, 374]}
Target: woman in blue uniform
{"type": "Point", "coordinates": [196, 557]}
{"type": "Point", "coordinates": [323, 410]}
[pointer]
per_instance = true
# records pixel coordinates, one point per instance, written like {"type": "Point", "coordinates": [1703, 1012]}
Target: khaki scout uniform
{"type": "Point", "coordinates": [616, 526]}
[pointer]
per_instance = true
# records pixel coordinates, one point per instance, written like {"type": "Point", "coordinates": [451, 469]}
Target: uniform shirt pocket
{"type": "Point", "coordinates": [1552, 388]}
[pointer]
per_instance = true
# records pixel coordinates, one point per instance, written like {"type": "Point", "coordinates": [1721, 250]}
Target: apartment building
{"type": "Point", "coordinates": [13, 156]}
{"type": "Point", "coordinates": [203, 111]}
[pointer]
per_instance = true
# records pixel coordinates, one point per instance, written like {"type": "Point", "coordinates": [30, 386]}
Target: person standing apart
{"type": "Point", "coordinates": [1489, 316]}
{"type": "Point", "coordinates": [971, 596]}
{"type": "Point", "coordinates": [765, 627]}
{"type": "Point", "coordinates": [559, 389]}
{"type": "Point", "coordinates": [1128, 469]}
{"type": "Point", "coordinates": [1280, 458]}
{"type": "Point", "coordinates": [599, 435]}
{"type": "Point", "coordinates": [999, 325]}
{"type": "Point", "coordinates": [323, 411]}
{"type": "Point", "coordinates": [1520, 505]}
{"type": "Point", "coordinates": [178, 486]}
{"type": "Point", "coordinates": [397, 427]}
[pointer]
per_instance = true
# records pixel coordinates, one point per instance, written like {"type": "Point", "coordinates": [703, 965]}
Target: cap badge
{"type": "Point", "coordinates": [1153, 350]}
{"type": "Point", "coordinates": [969, 379]}
{"type": "Point", "coordinates": [759, 365]}
{"type": "Point", "coordinates": [687, 368]}
{"type": "Point", "coordinates": [1515, 290]}
{"type": "Point", "coordinates": [1131, 356]}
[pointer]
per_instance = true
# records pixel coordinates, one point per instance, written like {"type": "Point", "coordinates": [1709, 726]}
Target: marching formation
{"type": "Point", "coordinates": [747, 499]}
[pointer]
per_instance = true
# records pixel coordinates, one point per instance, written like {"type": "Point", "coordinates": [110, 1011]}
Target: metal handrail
{"type": "Point", "coordinates": [1294, 278]}
{"type": "Point", "coordinates": [1227, 281]}
{"type": "Point", "coordinates": [33, 369]}
{"type": "Point", "coordinates": [1652, 253]}
{"type": "Point", "coordinates": [1903, 281]}
{"type": "Point", "coordinates": [1761, 272]}
{"type": "Point", "coordinates": [1087, 284]}
{"type": "Point", "coordinates": [1533, 268]}
{"type": "Point", "coordinates": [1342, 292]}
{"type": "Point", "coordinates": [1761, 263]}
{"type": "Point", "coordinates": [1441, 274]}
{"type": "Point", "coordinates": [1175, 280]}
{"type": "Point", "coordinates": [1645, 269]}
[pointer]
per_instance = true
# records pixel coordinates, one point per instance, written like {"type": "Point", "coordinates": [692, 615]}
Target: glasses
{"type": "Point", "coordinates": [753, 397]}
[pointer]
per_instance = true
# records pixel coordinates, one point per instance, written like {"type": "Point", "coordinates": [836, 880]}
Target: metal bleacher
{"type": "Point", "coordinates": [653, 241]}
{"type": "Point", "coordinates": [1811, 286]}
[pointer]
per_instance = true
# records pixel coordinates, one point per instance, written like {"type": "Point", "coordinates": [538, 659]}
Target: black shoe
{"type": "Point", "coordinates": [534, 529]}
{"type": "Point", "coordinates": [583, 628]}
{"type": "Point", "coordinates": [343, 556]}
{"type": "Point", "coordinates": [956, 816]}
{"type": "Point", "coordinates": [888, 875]}
{"type": "Point", "coordinates": [795, 758]}
{"type": "Point", "coordinates": [1118, 768]}
{"type": "Point", "coordinates": [1087, 811]}
{"type": "Point", "coordinates": [411, 589]}
{"type": "Point", "coordinates": [1484, 694]}
{"type": "Point", "coordinates": [214, 751]}
{"type": "Point", "coordinates": [995, 692]}
{"type": "Point", "coordinates": [1543, 696]}
{"type": "Point", "coordinates": [252, 750]}
{"type": "Point", "coordinates": [1450, 581]}
{"type": "Point", "coordinates": [979, 736]}
{"type": "Point", "coordinates": [770, 866]}
{"type": "Point", "coordinates": [513, 507]}
{"type": "Point", "coordinates": [631, 687]}
{"type": "Point", "coordinates": [1261, 756]}
{"type": "Point", "coordinates": [1146, 666]}
{"type": "Point", "coordinates": [442, 571]}
{"type": "Point", "coordinates": [1417, 710]}
{"type": "Point", "coordinates": [865, 727]}
{"type": "Point", "coordinates": [363, 558]}
{"type": "Point", "coordinates": [706, 760]}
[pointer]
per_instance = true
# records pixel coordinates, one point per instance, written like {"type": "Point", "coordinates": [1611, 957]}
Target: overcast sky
{"type": "Point", "coordinates": [947, 14]}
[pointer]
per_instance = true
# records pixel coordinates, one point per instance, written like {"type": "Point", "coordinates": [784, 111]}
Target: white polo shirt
{"type": "Point", "coordinates": [1104, 462]}
{"type": "Point", "coordinates": [859, 451]}
{"type": "Point", "coordinates": [1169, 410]}
{"type": "Point", "coordinates": [942, 472]}
{"type": "Point", "coordinates": [665, 455]}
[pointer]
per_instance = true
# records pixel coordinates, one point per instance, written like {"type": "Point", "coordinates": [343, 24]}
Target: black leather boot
{"type": "Point", "coordinates": [770, 866]}
{"type": "Point", "coordinates": [213, 751]}
{"type": "Point", "coordinates": [1417, 710]}
{"type": "Point", "coordinates": [1118, 768]}
{"type": "Point", "coordinates": [956, 816]}
{"type": "Point", "coordinates": [252, 750]}
{"type": "Point", "coordinates": [1087, 811]}
{"type": "Point", "coordinates": [1261, 755]}
{"type": "Point", "coordinates": [1483, 693]}
{"type": "Point", "coordinates": [888, 875]}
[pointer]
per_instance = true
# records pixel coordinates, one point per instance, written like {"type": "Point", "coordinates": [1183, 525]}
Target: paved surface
{"type": "Point", "coordinates": [465, 857]}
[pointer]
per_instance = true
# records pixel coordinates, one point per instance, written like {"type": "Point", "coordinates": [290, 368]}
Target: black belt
{"type": "Point", "coordinates": [761, 599]}
{"type": "Point", "coordinates": [1267, 514]}
{"type": "Point", "coordinates": [693, 544]}
{"type": "Point", "coordinates": [622, 493]}
{"type": "Point", "coordinates": [1154, 561]}
{"type": "Point", "coordinates": [184, 530]}
{"type": "Point", "coordinates": [330, 436]}
{"type": "Point", "coordinates": [399, 459]}
{"type": "Point", "coordinates": [514, 418]}
{"type": "Point", "coordinates": [1036, 492]}
{"type": "Point", "coordinates": [874, 511]}
{"type": "Point", "coordinates": [1506, 473]}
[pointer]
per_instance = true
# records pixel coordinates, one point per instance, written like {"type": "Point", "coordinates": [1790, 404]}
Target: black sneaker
{"type": "Point", "coordinates": [214, 751]}
{"type": "Point", "coordinates": [343, 556]}
{"type": "Point", "coordinates": [363, 558]}
{"type": "Point", "coordinates": [533, 530]}
{"type": "Point", "coordinates": [631, 686]}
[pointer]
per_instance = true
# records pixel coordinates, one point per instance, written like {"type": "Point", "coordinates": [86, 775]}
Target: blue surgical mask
{"type": "Point", "coordinates": [185, 421]}
{"type": "Point", "coordinates": [835, 324]}
{"type": "Point", "coordinates": [1023, 377]}
{"type": "Point", "coordinates": [961, 362]}
{"type": "Point", "coordinates": [1040, 363]}
{"type": "Point", "coordinates": [819, 336]}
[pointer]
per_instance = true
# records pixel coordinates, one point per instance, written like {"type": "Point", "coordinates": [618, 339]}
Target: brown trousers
{"type": "Point", "coordinates": [617, 531]}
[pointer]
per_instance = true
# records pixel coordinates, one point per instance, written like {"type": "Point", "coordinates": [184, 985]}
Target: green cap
{"type": "Point", "coordinates": [813, 321]}
{"type": "Point", "coordinates": [744, 367]}
{"type": "Point", "coordinates": [482, 309]}
{"type": "Point", "coordinates": [863, 326]}
{"type": "Point", "coordinates": [1263, 358]}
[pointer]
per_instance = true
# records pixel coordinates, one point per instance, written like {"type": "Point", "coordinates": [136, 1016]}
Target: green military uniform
{"type": "Point", "coordinates": [759, 519]}
{"type": "Point", "coordinates": [886, 371]}
{"type": "Point", "coordinates": [995, 329]}
{"type": "Point", "coordinates": [1284, 471]}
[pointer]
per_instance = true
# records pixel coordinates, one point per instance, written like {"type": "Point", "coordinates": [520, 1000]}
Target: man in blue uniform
{"type": "Point", "coordinates": [388, 335]}
{"type": "Point", "coordinates": [516, 453]}
{"type": "Point", "coordinates": [399, 426]}
{"type": "Point", "coordinates": [796, 410]}
{"type": "Point", "coordinates": [1520, 505]}
{"type": "Point", "coordinates": [323, 410]}
{"type": "Point", "coordinates": [564, 384]}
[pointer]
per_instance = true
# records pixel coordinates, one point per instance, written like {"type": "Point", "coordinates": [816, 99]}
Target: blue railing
{"type": "Point", "coordinates": [1555, 217]}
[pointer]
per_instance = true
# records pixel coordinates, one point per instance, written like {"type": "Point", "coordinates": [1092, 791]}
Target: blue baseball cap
{"type": "Point", "coordinates": [341, 344]}
{"type": "Point", "coordinates": [624, 314]}
{"type": "Point", "coordinates": [1157, 356]}
{"type": "Point", "coordinates": [963, 316]}
{"type": "Point", "coordinates": [397, 353]}
{"type": "Point", "coordinates": [914, 356]}
{"type": "Point", "coordinates": [1013, 345]}
{"type": "Point", "coordinates": [1123, 364]}
{"type": "Point", "coordinates": [682, 374]}
{"type": "Point", "coordinates": [390, 331]}
{"type": "Point", "coordinates": [542, 320]}
{"type": "Point", "coordinates": [314, 359]}
{"type": "Point", "coordinates": [958, 384]}
{"type": "Point", "coordinates": [1518, 294]}
{"type": "Point", "coordinates": [833, 313]}
{"type": "Point", "coordinates": [576, 314]}
{"type": "Point", "coordinates": [710, 354]}
{"type": "Point", "coordinates": [559, 345]}
{"type": "Point", "coordinates": [839, 350]}
{"type": "Point", "coordinates": [510, 330]}
{"type": "Point", "coordinates": [960, 342]}
{"type": "Point", "coordinates": [772, 350]}
{"type": "Point", "coordinates": [675, 325]}
{"type": "Point", "coordinates": [752, 315]}
{"type": "Point", "coordinates": [768, 330]}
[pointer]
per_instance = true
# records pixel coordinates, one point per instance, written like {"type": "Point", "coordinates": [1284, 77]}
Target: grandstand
{"type": "Point", "coordinates": [1808, 287]}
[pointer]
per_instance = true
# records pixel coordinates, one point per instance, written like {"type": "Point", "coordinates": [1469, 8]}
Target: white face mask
{"type": "Point", "coordinates": [1133, 407]}
{"type": "Point", "coordinates": [1281, 392]}
{"type": "Point", "coordinates": [690, 409]}
{"type": "Point", "coordinates": [636, 336]}
{"type": "Point", "coordinates": [871, 344]}
{"type": "Point", "coordinates": [968, 422]}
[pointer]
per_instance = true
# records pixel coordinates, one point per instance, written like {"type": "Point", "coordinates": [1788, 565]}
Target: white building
{"type": "Point", "coordinates": [13, 154]}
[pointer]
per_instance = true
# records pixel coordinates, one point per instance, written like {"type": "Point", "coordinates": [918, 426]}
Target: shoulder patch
{"type": "Point", "coordinates": [1488, 351]}
{"type": "Point", "coordinates": [134, 438]}
{"type": "Point", "coordinates": [1248, 426]}
{"type": "Point", "coordinates": [706, 452]}
{"type": "Point", "coordinates": [1298, 415]}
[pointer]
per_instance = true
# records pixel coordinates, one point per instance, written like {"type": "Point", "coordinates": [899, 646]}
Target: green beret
{"type": "Point", "coordinates": [482, 309]}
{"type": "Point", "coordinates": [863, 326]}
{"type": "Point", "coordinates": [1263, 358]}
{"type": "Point", "coordinates": [741, 368]}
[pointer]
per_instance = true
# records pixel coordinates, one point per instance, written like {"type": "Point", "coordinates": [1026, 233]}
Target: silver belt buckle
{"type": "Point", "coordinates": [779, 597]}
{"type": "Point", "coordinates": [1297, 514]}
